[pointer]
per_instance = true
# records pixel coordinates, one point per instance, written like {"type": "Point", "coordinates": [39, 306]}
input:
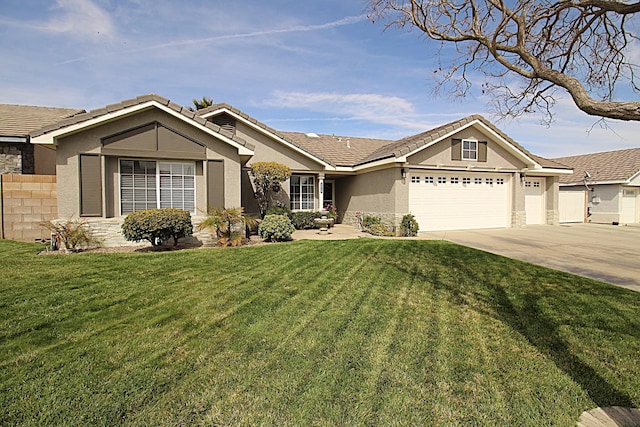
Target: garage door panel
{"type": "Point", "coordinates": [474, 201]}
{"type": "Point", "coordinates": [572, 206]}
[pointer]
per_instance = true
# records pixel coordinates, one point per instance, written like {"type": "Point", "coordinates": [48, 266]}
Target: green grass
{"type": "Point", "coordinates": [363, 332]}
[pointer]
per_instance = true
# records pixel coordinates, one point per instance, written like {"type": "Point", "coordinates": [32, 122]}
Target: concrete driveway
{"type": "Point", "coordinates": [603, 252]}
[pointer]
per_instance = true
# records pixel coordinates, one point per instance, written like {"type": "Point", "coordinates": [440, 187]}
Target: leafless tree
{"type": "Point", "coordinates": [530, 50]}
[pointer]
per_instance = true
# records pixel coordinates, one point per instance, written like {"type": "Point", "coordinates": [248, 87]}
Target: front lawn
{"type": "Point", "coordinates": [361, 332]}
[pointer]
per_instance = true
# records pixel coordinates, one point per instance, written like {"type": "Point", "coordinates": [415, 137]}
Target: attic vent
{"type": "Point", "coordinates": [225, 121]}
{"type": "Point", "coordinates": [312, 135]}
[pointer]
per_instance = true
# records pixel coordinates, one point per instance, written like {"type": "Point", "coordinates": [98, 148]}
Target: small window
{"type": "Point", "coordinates": [442, 180]}
{"type": "Point", "coordinates": [466, 180]}
{"type": "Point", "coordinates": [477, 180]}
{"type": "Point", "coordinates": [489, 181]}
{"type": "Point", "coordinates": [469, 149]}
{"type": "Point", "coordinates": [527, 184]}
{"type": "Point", "coordinates": [428, 180]}
{"type": "Point", "coordinates": [500, 181]}
{"type": "Point", "coordinates": [536, 184]}
{"type": "Point", "coordinates": [454, 179]}
{"type": "Point", "coordinates": [415, 180]}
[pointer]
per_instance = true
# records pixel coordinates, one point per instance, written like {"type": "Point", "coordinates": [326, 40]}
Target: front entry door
{"type": "Point", "coordinates": [328, 194]}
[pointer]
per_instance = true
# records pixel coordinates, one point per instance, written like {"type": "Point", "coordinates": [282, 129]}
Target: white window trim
{"type": "Point", "coordinates": [314, 195]}
{"type": "Point", "coordinates": [462, 154]}
{"type": "Point", "coordinates": [157, 161]}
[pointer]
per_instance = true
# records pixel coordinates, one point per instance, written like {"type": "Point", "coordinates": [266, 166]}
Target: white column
{"type": "Point", "coordinates": [321, 190]}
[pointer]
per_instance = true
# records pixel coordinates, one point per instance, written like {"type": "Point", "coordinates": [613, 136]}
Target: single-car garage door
{"type": "Point", "coordinates": [572, 206]}
{"type": "Point", "coordinates": [457, 201]}
{"type": "Point", "coordinates": [534, 200]}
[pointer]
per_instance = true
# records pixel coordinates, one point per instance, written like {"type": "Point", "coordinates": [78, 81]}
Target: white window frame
{"type": "Point", "coordinates": [469, 153]}
{"type": "Point", "coordinates": [158, 188]}
{"type": "Point", "coordinates": [296, 205]}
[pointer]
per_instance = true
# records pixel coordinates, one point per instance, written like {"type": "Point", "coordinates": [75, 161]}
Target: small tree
{"type": "Point", "coordinates": [267, 177]}
{"type": "Point", "coordinates": [202, 103]}
{"type": "Point", "coordinates": [228, 225]}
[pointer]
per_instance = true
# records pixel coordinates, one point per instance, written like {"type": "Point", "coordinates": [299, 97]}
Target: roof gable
{"type": "Point", "coordinates": [79, 122]}
{"type": "Point", "coordinates": [223, 108]}
{"type": "Point", "coordinates": [607, 167]}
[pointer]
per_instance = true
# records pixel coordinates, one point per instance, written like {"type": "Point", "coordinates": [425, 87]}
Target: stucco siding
{"type": "Point", "coordinates": [379, 193]}
{"type": "Point", "coordinates": [440, 154]}
{"type": "Point", "coordinates": [175, 134]}
{"type": "Point", "coordinates": [605, 203]}
{"type": "Point", "coordinates": [268, 150]}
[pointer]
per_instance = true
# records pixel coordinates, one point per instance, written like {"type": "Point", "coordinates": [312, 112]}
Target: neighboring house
{"type": "Point", "coordinates": [148, 152]}
{"type": "Point", "coordinates": [17, 155]}
{"type": "Point", "coordinates": [604, 187]}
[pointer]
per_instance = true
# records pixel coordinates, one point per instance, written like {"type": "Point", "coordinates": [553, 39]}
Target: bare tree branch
{"type": "Point", "coordinates": [577, 46]}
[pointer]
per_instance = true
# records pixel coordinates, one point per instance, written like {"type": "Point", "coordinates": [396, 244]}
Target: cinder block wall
{"type": "Point", "coordinates": [25, 201]}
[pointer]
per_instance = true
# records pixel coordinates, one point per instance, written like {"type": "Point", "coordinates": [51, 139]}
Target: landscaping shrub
{"type": "Point", "coordinates": [304, 220]}
{"type": "Point", "coordinates": [157, 225]}
{"type": "Point", "coordinates": [279, 210]}
{"type": "Point", "coordinates": [409, 226]}
{"type": "Point", "coordinates": [378, 229]}
{"type": "Point", "coordinates": [368, 221]}
{"type": "Point", "coordinates": [228, 225]}
{"type": "Point", "coordinates": [276, 228]}
{"type": "Point", "coordinates": [71, 234]}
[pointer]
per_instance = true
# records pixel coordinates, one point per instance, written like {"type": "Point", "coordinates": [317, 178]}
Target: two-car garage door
{"type": "Point", "coordinates": [456, 201]}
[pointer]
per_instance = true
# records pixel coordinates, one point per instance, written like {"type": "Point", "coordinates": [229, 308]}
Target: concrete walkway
{"type": "Point", "coordinates": [602, 252]}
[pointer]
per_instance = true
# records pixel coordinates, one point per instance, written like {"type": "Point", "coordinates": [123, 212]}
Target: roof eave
{"type": "Point", "coordinates": [51, 137]}
{"type": "Point", "coordinates": [265, 130]}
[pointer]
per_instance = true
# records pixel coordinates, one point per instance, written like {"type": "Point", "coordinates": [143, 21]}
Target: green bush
{"type": "Point", "coordinates": [304, 220]}
{"type": "Point", "coordinates": [409, 226]}
{"type": "Point", "coordinates": [276, 228]}
{"type": "Point", "coordinates": [279, 210]}
{"type": "Point", "coordinates": [378, 229]}
{"type": "Point", "coordinates": [368, 221]}
{"type": "Point", "coordinates": [157, 225]}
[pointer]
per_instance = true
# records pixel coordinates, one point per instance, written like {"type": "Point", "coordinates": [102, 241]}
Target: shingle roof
{"type": "Point", "coordinates": [20, 120]}
{"type": "Point", "coordinates": [338, 150]}
{"type": "Point", "coordinates": [618, 165]}
{"type": "Point", "coordinates": [79, 118]}
{"type": "Point", "coordinates": [334, 150]}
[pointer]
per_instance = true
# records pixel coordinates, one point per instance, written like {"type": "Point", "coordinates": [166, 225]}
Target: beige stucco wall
{"type": "Point", "coordinates": [89, 142]}
{"type": "Point", "coordinates": [381, 193]}
{"type": "Point", "coordinates": [440, 154]}
{"type": "Point", "coordinates": [607, 210]}
{"type": "Point", "coordinates": [268, 150]}
{"type": "Point", "coordinates": [45, 160]}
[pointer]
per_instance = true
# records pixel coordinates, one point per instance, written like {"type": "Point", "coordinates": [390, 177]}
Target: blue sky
{"type": "Point", "coordinates": [311, 66]}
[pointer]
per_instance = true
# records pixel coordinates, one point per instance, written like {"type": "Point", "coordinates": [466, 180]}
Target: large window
{"type": "Point", "coordinates": [469, 149]}
{"type": "Point", "coordinates": [302, 192]}
{"type": "Point", "coordinates": [147, 184]}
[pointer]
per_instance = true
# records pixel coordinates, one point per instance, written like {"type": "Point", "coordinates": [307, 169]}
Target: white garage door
{"type": "Point", "coordinates": [534, 200]}
{"type": "Point", "coordinates": [456, 201]}
{"type": "Point", "coordinates": [572, 206]}
{"type": "Point", "coordinates": [629, 206]}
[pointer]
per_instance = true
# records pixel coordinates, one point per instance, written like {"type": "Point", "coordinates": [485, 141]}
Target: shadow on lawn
{"type": "Point", "coordinates": [481, 276]}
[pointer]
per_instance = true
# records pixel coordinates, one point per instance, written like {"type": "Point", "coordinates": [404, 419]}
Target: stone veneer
{"type": "Point", "coordinates": [518, 219]}
{"type": "Point", "coordinates": [391, 220]}
{"type": "Point", "coordinates": [16, 158]}
{"type": "Point", "coordinates": [553, 217]}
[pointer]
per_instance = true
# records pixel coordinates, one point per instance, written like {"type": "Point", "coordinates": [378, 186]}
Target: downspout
{"type": "Point", "coordinates": [1, 207]}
